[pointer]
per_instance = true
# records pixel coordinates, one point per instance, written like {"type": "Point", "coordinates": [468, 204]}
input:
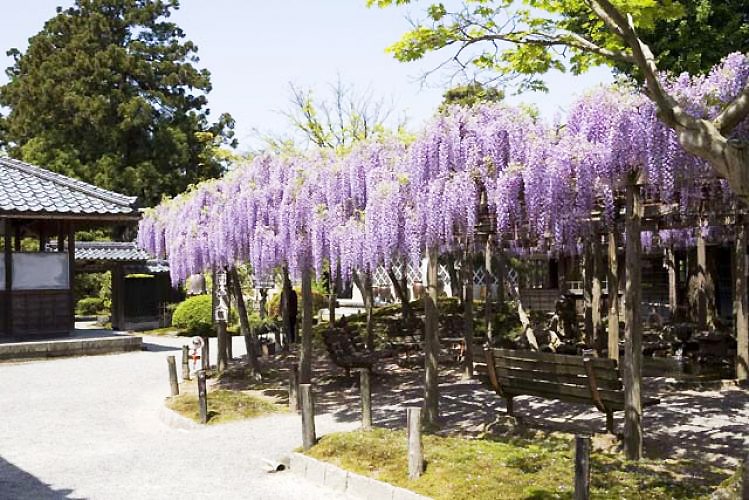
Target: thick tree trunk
{"type": "Point", "coordinates": [263, 303]}
{"type": "Point", "coordinates": [613, 286]}
{"type": "Point", "coordinates": [740, 302]}
{"type": "Point", "coordinates": [525, 320]}
{"type": "Point", "coordinates": [631, 368]}
{"type": "Point", "coordinates": [431, 341]}
{"type": "Point", "coordinates": [369, 305]}
{"type": "Point", "coordinates": [244, 322]}
{"type": "Point", "coordinates": [305, 360]}
{"type": "Point", "coordinates": [401, 291]}
{"type": "Point", "coordinates": [468, 312]}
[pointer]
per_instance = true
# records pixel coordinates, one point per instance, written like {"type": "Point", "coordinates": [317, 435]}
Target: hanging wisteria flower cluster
{"type": "Point", "coordinates": [384, 201]}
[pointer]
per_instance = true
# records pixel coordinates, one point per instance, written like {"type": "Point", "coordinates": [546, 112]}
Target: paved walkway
{"type": "Point", "coordinates": [89, 428]}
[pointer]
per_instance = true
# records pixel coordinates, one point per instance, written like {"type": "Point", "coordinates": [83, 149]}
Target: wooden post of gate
{"type": "Point", "coordinates": [172, 363]}
{"type": "Point", "coordinates": [366, 399]}
{"type": "Point", "coordinates": [308, 417]}
{"type": "Point", "coordinates": [294, 388]}
{"type": "Point", "coordinates": [202, 397]}
{"type": "Point", "coordinates": [415, 454]}
{"type": "Point", "coordinates": [582, 467]}
{"type": "Point", "coordinates": [185, 362]}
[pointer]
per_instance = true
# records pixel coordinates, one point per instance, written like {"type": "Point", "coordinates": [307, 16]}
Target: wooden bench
{"type": "Point", "coordinates": [576, 379]}
{"type": "Point", "coordinates": [344, 352]}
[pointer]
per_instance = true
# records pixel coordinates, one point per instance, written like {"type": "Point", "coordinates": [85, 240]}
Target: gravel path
{"type": "Point", "coordinates": [89, 428]}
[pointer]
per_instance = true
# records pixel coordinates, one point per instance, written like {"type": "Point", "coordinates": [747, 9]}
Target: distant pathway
{"type": "Point", "coordinates": [89, 428]}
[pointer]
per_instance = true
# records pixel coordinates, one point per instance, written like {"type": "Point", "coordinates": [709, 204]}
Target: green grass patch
{"type": "Point", "coordinates": [512, 468]}
{"type": "Point", "coordinates": [224, 406]}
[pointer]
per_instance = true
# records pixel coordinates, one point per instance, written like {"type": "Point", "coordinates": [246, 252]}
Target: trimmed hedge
{"type": "Point", "coordinates": [194, 315]}
{"type": "Point", "coordinates": [89, 306]}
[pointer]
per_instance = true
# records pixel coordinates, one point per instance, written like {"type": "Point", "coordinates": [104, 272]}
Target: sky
{"type": "Point", "coordinates": [255, 49]}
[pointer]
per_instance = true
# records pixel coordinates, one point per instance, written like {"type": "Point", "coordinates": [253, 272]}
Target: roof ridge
{"type": "Point", "coordinates": [75, 184]}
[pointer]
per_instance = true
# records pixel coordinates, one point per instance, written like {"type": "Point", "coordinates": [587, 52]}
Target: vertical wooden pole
{"type": "Point", "coordinates": [71, 272]}
{"type": "Point", "coordinates": [587, 265]}
{"type": "Point", "coordinates": [582, 468]}
{"type": "Point", "coordinates": [613, 297]}
{"type": "Point", "coordinates": [740, 303]}
{"type": "Point", "coordinates": [173, 384]}
{"type": "Point", "coordinates": [205, 353]}
{"type": "Point", "coordinates": [596, 290]}
{"type": "Point", "coordinates": [60, 236]}
{"type": "Point", "coordinates": [415, 454]}
{"type": "Point", "coordinates": [366, 398]}
{"type": "Point", "coordinates": [202, 397]}
{"type": "Point", "coordinates": [631, 368]}
{"type": "Point", "coordinates": [250, 339]}
{"type": "Point", "coordinates": [489, 277]}
{"type": "Point", "coordinates": [308, 417]}
{"type": "Point", "coordinates": [701, 281]}
{"type": "Point", "coordinates": [431, 341]}
{"type": "Point", "coordinates": [222, 361]}
{"type": "Point", "coordinates": [670, 258]}
{"type": "Point", "coordinates": [285, 316]}
{"type": "Point", "coordinates": [305, 360]}
{"type": "Point", "coordinates": [185, 362]}
{"type": "Point", "coordinates": [468, 313]}
{"type": "Point", "coordinates": [8, 250]}
{"type": "Point", "coordinates": [745, 478]}
{"type": "Point", "coordinates": [42, 236]}
{"type": "Point", "coordinates": [369, 305]}
{"type": "Point", "coordinates": [294, 388]}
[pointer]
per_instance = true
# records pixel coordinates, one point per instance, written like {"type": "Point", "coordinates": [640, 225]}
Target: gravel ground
{"type": "Point", "coordinates": [89, 428]}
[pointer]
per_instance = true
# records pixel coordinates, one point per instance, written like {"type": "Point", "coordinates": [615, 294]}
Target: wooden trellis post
{"type": "Point", "coordinates": [671, 267]}
{"type": "Point", "coordinates": [701, 280]}
{"type": "Point", "coordinates": [305, 360]}
{"type": "Point", "coordinates": [632, 365]}
{"type": "Point", "coordinates": [431, 341]}
{"type": "Point", "coordinates": [613, 296]}
{"type": "Point", "coordinates": [740, 305]}
{"type": "Point", "coordinates": [468, 312]}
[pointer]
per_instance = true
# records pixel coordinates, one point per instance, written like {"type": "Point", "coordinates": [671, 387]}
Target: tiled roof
{"type": "Point", "coordinates": [110, 251]}
{"type": "Point", "coordinates": [27, 189]}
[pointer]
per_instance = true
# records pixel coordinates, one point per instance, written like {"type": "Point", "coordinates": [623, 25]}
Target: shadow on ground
{"type": "Point", "coordinates": [18, 484]}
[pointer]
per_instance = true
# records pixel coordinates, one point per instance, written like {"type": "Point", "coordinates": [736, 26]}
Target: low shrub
{"type": "Point", "coordinates": [89, 306]}
{"type": "Point", "coordinates": [194, 315]}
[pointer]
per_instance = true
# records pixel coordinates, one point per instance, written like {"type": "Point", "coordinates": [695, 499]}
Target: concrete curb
{"type": "Point", "coordinates": [43, 349]}
{"type": "Point", "coordinates": [175, 420]}
{"type": "Point", "coordinates": [351, 484]}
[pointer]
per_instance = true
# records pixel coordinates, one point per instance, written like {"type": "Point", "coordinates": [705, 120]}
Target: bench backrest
{"type": "Point", "coordinates": [557, 376]}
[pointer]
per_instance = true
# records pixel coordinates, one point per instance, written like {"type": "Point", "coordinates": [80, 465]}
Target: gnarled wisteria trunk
{"type": "Point", "coordinates": [741, 301]}
{"type": "Point", "coordinates": [244, 323]}
{"type": "Point", "coordinates": [305, 358]}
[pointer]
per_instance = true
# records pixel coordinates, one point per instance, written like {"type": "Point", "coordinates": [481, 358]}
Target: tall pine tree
{"type": "Point", "coordinates": [109, 92]}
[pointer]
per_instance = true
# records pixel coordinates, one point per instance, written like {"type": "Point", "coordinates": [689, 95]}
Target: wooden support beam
{"type": "Point", "coordinates": [741, 303]}
{"type": "Point", "coordinates": [670, 262]}
{"type": "Point", "coordinates": [431, 341]}
{"type": "Point", "coordinates": [613, 298]}
{"type": "Point", "coordinates": [71, 272]}
{"type": "Point", "coordinates": [632, 365]}
{"type": "Point", "coordinates": [8, 251]}
{"type": "Point", "coordinates": [596, 292]}
{"type": "Point", "coordinates": [701, 281]}
{"type": "Point", "coordinates": [489, 278]}
{"type": "Point", "coordinates": [415, 454]}
{"type": "Point", "coordinates": [588, 272]}
{"type": "Point", "coordinates": [467, 273]}
{"type": "Point", "coordinates": [305, 360]}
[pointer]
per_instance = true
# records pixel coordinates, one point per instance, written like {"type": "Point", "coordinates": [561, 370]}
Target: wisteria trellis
{"type": "Point", "coordinates": [386, 200]}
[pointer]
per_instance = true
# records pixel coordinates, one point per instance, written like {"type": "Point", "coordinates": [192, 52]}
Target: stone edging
{"type": "Point", "coordinates": [175, 420]}
{"type": "Point", "coordinates": [351, 484]}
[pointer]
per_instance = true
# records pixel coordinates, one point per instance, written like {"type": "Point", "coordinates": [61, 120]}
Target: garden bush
{"type": "Point", "coordinates": [89, 306]}
{"type": "Point", "coordinates": [194, 315]}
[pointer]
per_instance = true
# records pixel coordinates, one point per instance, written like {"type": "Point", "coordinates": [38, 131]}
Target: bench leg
{"type": "Point", "coordinates": [510, 408]}
{"type": "Point", "coordinates": [610, 422]}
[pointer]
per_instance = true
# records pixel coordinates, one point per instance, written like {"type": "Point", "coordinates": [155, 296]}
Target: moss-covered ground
{"type": "Point", "coordinates": [224, 406]}
{"type": "Point", "coordinates": [512, 467]}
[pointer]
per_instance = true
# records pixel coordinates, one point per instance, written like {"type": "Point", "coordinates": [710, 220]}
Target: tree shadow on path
{"type": "Point", "coordinates": [18, 484]}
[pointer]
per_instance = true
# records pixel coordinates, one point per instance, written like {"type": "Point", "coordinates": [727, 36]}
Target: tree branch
{"type": "Point", "coordinates": [736, 111]}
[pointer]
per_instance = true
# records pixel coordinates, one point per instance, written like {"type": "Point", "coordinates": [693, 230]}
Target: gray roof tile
{"type": "Point", "coordinates": [27, 188]}
{"type": "Point", "coordinates": [110, 251]}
